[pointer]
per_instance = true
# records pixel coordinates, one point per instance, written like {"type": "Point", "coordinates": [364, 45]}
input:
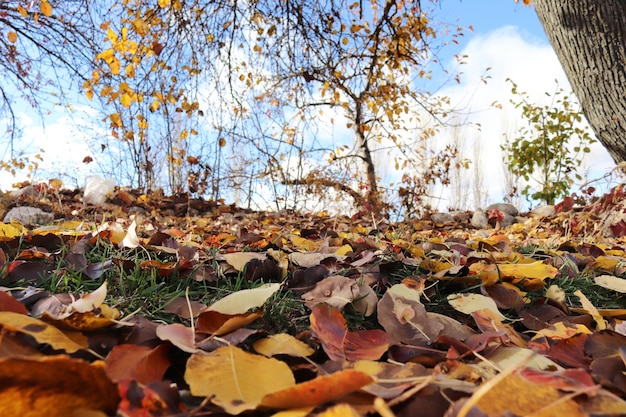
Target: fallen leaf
{"type": "Point", "coordinates": [241, 301]}
{"type": "Point", "coordinates": [239, 260]}
{"type": "Point", "coordinates": [42, 332]}
{"type": "Point", "coordinates": [531, 275]}
{"type": "Point", "coordinates": [336, 291]}
{"type": "Point", "coordinates": [611, 282]}
{"type": "Point", "coordinates": [179, 335]}
{"type": "Point", "coordinates": [56, 386]}
{"type": "Point", "coordinates": [139, 363]}
{"type": "Point", "coordinates": [329, 327]}
{"type": "Point", "coordinates": [234, 379]}
{"type": "Point", "coordinates": [318, 391]}
{"type": "Point", "coordinates": [282, 344]}
{"type": "Point", "coordinates": [468, 303]}
{"type": "Point", "coordinates": [130, 239]}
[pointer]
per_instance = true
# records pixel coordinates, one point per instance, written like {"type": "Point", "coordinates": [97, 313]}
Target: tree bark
{"type": "Point", "coordinates": [589, 37]}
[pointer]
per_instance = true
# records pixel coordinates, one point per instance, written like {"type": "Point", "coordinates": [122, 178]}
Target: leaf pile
{"type": "Point", "coordinates": [310, 314]}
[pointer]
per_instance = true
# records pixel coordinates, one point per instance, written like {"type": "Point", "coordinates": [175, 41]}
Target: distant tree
{"type": "Point", "coordinates": [550, 147]}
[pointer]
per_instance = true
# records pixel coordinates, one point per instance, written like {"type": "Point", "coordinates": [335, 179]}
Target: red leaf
{"type": "Point", "coordinates": [329, 326]}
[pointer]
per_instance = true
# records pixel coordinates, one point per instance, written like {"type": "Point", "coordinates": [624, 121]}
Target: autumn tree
{"type": "Point", "coordinates": [589, 37]}
{"type": "Point", "coordinates": [45, 50]}
{"type": "Point", "coordinates": [268, 71]}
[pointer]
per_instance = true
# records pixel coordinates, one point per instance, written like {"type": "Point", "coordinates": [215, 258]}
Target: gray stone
{"type": "Point", "coordinates": [505, 208]}
{"type": "Point", "coordinates": [545, 211]}
{"type": "Point", "coordinates": [28, 216]}
{"type": "Point", "coordinates": [479, 219]}
{"type": "Point", "coordinates": [441, 218]}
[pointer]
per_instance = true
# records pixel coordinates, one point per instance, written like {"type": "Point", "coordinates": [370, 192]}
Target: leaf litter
{"type": "Point", "coordinates": [195, 308]}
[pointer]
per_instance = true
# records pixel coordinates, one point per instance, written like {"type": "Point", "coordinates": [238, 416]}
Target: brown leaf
{"type": "Point", "coordinates": [56, 386]}
{"type": "Point", "coordinates": [9, 303]}
{"type": "Point", "coordinates": [138, 363]}
{"type": "Point", "coordinates": [336, 291]}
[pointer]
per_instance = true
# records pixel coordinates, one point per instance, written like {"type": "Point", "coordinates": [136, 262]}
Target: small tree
{"type": "Point", "coordinates": [550, 149]}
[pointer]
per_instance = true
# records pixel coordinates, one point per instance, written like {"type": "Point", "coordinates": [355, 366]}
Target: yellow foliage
{"type": "Point", "coordinates": [45, 8]}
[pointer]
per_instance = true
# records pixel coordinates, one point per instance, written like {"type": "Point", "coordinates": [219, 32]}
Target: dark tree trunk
{"type": "Point", "coordinates": [589, 37]}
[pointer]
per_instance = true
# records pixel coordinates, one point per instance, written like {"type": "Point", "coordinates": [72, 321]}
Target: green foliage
{"type": "Point", "coordinates": [550, 148]}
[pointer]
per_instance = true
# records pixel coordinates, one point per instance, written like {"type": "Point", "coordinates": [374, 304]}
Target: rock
{"type": "Point", "coordinates": [479, 219]}
{"type": "Point", "coordinates": [460, 216]}
{"type": "Point", "coordinates": [545, 211]}
{"type": "Point", "coordinates": [441, 218]}
{"type": "Point", "coordinates": [28, 216]}
{"type": "Point", "coordinates": [505, 208]}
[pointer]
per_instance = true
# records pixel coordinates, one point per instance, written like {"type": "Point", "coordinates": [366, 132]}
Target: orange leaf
{"type": "Point", "coordinates": [329, 326]}
{"type": "Point", "coordinates": [55, 386]}
{"type": "Point", "coordinates": [217, 324]}
{"type": "Point", "coordinates": [45, 8]}
{"type": "Point", "coordinates": [318, 391]}
{"type": "Point", "coordinates": [12, 37]}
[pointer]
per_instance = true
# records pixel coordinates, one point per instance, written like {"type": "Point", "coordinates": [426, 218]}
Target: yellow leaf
{"type": "Point", "coordinates": [184, 134]}
{"type": "Point", "coordinates": [530, 274]}
{"type": "Point", "coordinates": [243, 300]}
{"type": "Point", "coordinates": [284, 344]}
{"type": "Point", "coordinates": [111, 36]}
{"type": "Point", "coordinates": [40, 331]}
{"type": "Point", "coordinates": [12, 37]}
{"type": "Point", "coordinates": [468, 303]}
{"type": "Point", "coordinates": [591, 309]}
{"type": "Point", "coordinates": [164, 3]}
{"type": "Point", "coordinates": [345, 41]}
{"type": "Point", "coordinates": [45, 8]}
{"type": "Point", "coordinates": [234, 379]}
{"type": "Point", "coordinates": [116, 120]}
{"type": "Point", "coordinates": [22, 11]}
{"type": "Point", "coordinates": [115, 66]}
{"type": "Point", "coordinates": [130, 71]}
{"type": "Point", "coordinates": [9, 230]}
{"type": "Point", "coordinates": [125, 100]}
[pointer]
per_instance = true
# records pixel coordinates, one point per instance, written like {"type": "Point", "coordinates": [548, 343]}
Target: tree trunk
{"type": "Point", "coordinates": [589, 37]}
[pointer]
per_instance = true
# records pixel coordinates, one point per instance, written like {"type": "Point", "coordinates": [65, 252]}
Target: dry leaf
{"type": "Point", "coordinates": [318, 391]}
{"type": "Point", "coordinates": [330, 328]}
{"type": "Point", "coordinates": [138, 363]}
{"type": "Point", "coordinates": [282, 344]}
{"type": "Point", "coordinates": [336, 291]}
{"type": "Point", "coordinates": [241, 301]}
{"type": "Point", "coordinates": [234, 379]}
{"type": "Point", "coordinates": [56, 386]}
{"type": "Point", "coordinates": [42, 332]}
{"type": "Point", "coordinates": [468, 303]}
{"type": "Point", "coordinates": [611, 282]}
